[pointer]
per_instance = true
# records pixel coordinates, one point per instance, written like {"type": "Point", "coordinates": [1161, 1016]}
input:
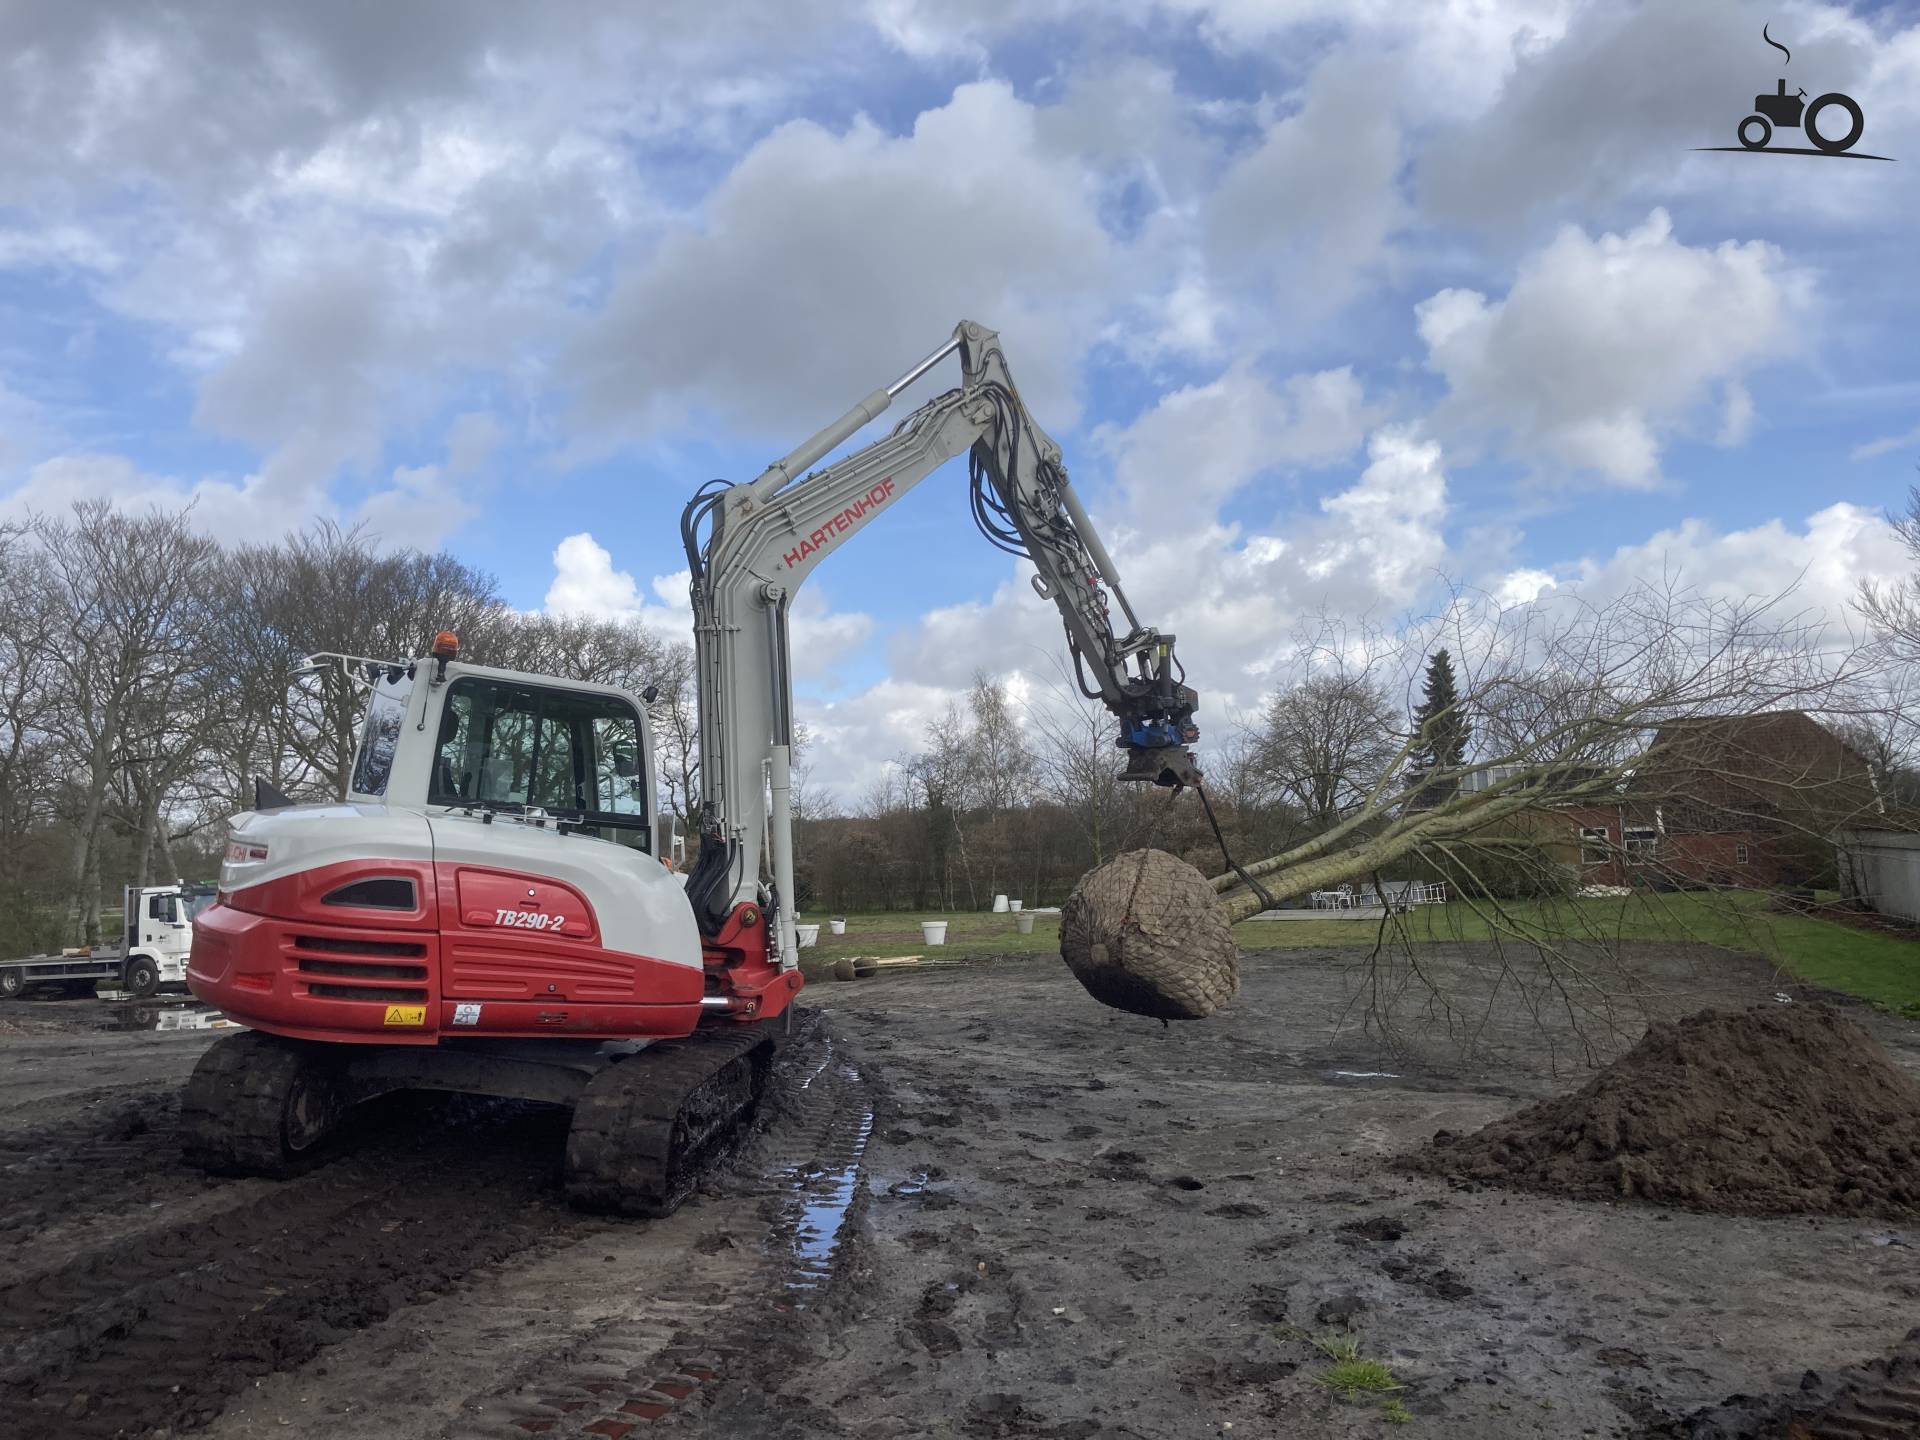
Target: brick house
{"type": "Point", "coordinates": [1743, 800]}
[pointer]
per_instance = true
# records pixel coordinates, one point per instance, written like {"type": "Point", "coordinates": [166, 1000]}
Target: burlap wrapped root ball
{"type": "Point", "coordinates": [1145, 933]}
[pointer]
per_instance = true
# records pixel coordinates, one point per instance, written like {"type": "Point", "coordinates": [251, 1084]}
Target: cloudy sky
{"type": "Point", "coordinates": [1331, 305]}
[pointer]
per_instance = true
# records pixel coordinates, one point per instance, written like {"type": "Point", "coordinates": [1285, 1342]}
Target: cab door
{"type": "Point", "coordinates": [163, 926]}
{"type": "Point", "coordinates": [548, 897]}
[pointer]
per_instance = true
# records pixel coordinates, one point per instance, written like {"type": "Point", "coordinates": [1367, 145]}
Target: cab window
{"type": "Point", "coordinates": [380, 736]}
{"type": "Point", "coordinates": [163, 907]}
{"type": "Point", "coordinates": [516, 747]}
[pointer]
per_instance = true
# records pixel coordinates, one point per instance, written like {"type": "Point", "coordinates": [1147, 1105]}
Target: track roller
{"type": "Point", "coordinates": [258, 1104]}
{"type": "Point", "coordinates": [644, 1129]}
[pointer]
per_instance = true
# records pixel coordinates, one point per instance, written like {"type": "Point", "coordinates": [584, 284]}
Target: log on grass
{"type": "Point", "coordinates": [1146, 933]}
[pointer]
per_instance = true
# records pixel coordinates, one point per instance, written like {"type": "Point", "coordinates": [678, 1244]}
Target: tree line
{"type": "Point", "coordinates": [145, 683]}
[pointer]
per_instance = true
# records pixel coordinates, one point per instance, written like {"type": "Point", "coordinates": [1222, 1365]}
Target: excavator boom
{"type": "Point", "coordinates": [751, 546]}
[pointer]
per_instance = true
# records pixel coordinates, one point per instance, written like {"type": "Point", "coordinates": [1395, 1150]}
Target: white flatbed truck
{"type": "Point", "coordinates": [155, 941]}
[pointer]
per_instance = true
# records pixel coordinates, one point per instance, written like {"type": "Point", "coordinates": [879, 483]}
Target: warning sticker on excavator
{"type": "Point", "coordinates": [406, 1014]}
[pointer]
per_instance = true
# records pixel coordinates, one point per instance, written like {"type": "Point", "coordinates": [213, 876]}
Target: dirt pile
{"type": "Point", "coordinates": [1772, 1111]}
{"type": "Point", "coordinates": [1145, 933]}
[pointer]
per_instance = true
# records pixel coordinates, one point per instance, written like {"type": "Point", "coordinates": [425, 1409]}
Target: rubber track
{"type": "Point", "coordinates": [231, 1108]}
{"type": "Point", "coordinates": [639, 1137]}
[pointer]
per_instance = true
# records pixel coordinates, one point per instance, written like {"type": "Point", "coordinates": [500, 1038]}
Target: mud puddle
{"type": "Point", "coordinates": [163, 1016]}
{"type": "Point", "coordinates": [818, 1170]}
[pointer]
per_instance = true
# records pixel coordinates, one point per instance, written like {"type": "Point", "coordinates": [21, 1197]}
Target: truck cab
{"type": "Point", "coordinates": [159, 933]}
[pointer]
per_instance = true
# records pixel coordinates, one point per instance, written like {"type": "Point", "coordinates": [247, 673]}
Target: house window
{"type": "Point", "coordinates": [1739, 854]}
{"type": "Point", "coordinates": [1593, 845]}
{"type": "Point", "coordinates": [1639, 845]}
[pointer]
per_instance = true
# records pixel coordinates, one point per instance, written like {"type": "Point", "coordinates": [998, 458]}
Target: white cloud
{"type": "Point", "coordinates": [1465, 51]}
{"type": "Point", "coordinates": [422, 506]}
{"type": "Point", "coordinates": [55, 246]}
{"type": "Point", "coordinates": [1604, 346]}
{"type": "Point", "coordinates": [853, 742]}
{"type": "Point", "coordinates": [827, 262]}
{"type": "Point", "coordinates": [331, 219]}
{"type": "Point", "coordinates": [1200, 445]}
{"type": "Point", "coordinates": [1384, 541]}
{"type": "Point", "coordinates": [1308, 212]}
{"type": "Point", "coordinates": [236, 512]}
{"type": "Point", "coordinates": [417, 506]}
{"type": "Point", "coordinates": [586, 582]}
{"type": "Point", "coordinates": [1737, 420]}
{"type": "Point", "coordinates": [1885, 445]}
{"type": "Point", "coordinates": [1612, 108]}
{"type": "Point", "coordinates": [1232, 596]}
{"type": "Point", "coordinates": [1822, 562]}
{"type": "Point", "coordinates": [933, 29]}
{"type": "Point", "coordinates": [471, 442]}
{"type": "Point", "coordinates": [1522, 587]}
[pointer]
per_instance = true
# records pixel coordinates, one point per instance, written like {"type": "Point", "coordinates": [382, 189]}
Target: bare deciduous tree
{"type": "Point", "coordinates": [128, 591]}
{"type": "Point", "coordinates": [1077, 769]}
{"type": "Point", "coordinates": [1893, 610]}
{"type": "Point", "coordinates": [1326, 743]}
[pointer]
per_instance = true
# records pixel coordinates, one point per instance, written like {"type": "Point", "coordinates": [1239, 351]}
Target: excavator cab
{"type": "Point", "coordinates": [484, 890]}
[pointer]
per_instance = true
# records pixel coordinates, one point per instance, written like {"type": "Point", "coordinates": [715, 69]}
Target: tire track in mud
{"type": "Point", "coordinates": [156, 1330]}
{"type": "Point", "coordinates": [794, 1188]}
{"type": "Point", "coordinates": [118, 1153]}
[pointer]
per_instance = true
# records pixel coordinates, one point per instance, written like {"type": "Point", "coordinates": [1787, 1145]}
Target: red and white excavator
{"type": "Point", "coordinates": [483, 911]}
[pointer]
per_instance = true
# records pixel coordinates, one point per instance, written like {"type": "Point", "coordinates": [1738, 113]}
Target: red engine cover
{"type": "Point", "coordinates": [482, 952]}
{"type": "Point", "coordinates": [523, 903]}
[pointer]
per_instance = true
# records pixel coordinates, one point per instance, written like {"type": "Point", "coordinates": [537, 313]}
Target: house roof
{"type": "Point", "coordinates": [1779, 768]}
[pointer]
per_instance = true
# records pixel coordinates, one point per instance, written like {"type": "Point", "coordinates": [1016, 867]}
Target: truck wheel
{"type": "Point", "coordinates": [260, 1105]}
{"type": "Point", "coordinates": [142, 977]}
{"type": "Point", "coordinates": [12, 983]}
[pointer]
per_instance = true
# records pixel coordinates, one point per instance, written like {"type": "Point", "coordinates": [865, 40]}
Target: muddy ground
{"type": "Point", "coordinates": [981, 1205]}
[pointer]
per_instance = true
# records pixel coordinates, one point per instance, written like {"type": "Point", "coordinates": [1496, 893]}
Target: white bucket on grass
{"type": "Point", "coordinates": [934, 932]}
{"type": "Point", "coordinates": [1014, 905]}
{"type": "Point", "coordinates": [837, 927]}
{"type": "Point", "coordinates": [809, 934]}
{"type": "Point", "coordinates": [1023, 922]}
{"type": "Point", "coordinates": [999, 904]}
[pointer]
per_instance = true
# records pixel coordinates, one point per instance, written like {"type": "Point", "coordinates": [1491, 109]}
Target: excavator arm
{"type": "Point", "coordinates": [750, 547]}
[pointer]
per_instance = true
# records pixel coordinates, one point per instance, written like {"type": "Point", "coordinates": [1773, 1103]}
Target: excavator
{"type": "Point", "coordinates": [486, 910]}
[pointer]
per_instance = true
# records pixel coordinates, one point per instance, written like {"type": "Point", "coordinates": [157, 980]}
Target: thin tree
{"type": "Point", "coordinates": [1441, 732]}
{"type": "Point", "coordinates": [1326, 742]}
{"type": "Point", "coordinates": [1893, 610]}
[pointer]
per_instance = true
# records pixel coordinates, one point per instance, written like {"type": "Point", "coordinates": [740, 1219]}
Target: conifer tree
{"type": "Point", "coordinates": [1441, 731]}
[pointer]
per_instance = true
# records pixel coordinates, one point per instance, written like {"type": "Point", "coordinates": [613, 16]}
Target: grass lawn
{"type": "Point", "coordinates": [1881, 968]}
